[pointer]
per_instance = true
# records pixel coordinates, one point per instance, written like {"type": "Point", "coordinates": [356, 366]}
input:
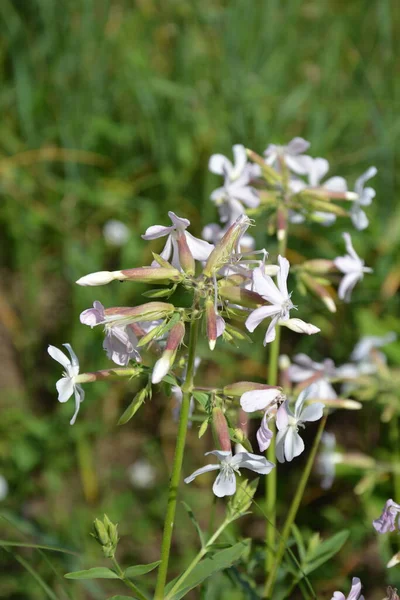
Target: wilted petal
{"type": "Point", "coordinates": [225, 484]}
{"type": "Point", "coordinates": [93, 316]}
{"type": "Point", "coordinates": [201, 471]}
{"type": "Point", "coordinates": [258, 399]}
{"type": "Point", "coordinates": [264, 434]}
{"type": "Point", "coordinates": [387, 520]}
{"type": "Point", "coordinates": [65, 388]}
{"type": "Point", "coordinates": [294, 445]}
{"type": "Point", "coordinates": [220, 325]}
{"type": "Point", "coordinates": [259, 314]}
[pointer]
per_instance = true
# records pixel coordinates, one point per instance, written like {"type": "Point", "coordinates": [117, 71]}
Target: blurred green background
{"type": "Point", "coordinates": [110, 110]}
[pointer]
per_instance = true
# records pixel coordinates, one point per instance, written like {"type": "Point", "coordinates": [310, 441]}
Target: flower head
{"type": "Point", "coordinates": [288, 441]}
{"type": "Point", "coordinates": [225, 483]}
{"type": "Point", "coordinates": [354, 592]}
{"type": "Point", "coordinates": [387, 520]}
{"type": "Point", "coordinates": [292, 154]}
{"type": "Point", "coordinates": [199, 249]}
{"type": "Point", "coordinates": [352, 266]}
{"type": "Point", "coordinates": [365, 195]}
{"type": "Point", "coordinates": [280, 303]}
{"type": "Point", "coordinates": [304, 368]}
{"type": "Point", "coordinates": [68, 384]}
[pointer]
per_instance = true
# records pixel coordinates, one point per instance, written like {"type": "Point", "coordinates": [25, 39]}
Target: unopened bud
{"type": "Point", "coordinates": [284, 362]}
{"type": "Point", "coordinates": [281, 225]}
{"type": "Point", "coordinates": [318, 266]}
{"type": "Point", "coordinates": [164, 364]}
{"type": "Point", "coordinates": [228, 245]}
{"type": "Point", "coordinates": [186, 259]}
{"type": "Point", "coordinates": [241, 387]}
{"type": "Point", "coordinates": [106, 534]}
{"type": "Point", "coordinates": [140, 274]}
{"type": "Point", "coordinates": [241, 296]}
{"type": "Point", "coordinates": [270, 175]}
{"type": "Point", "coordinates": [300, 326]}
{"type": "Point", "coordinates": [211, 323]}
{"type": "Point", "coordinates": [320, 291]}
{"type": "Point", "coordinates": [151, 311]}
{"type": "Point", "coordinates": [395, 560]}
{"type": "Point", "coordinates": [221, 429]}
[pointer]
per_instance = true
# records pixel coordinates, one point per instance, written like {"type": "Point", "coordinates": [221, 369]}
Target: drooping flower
{"type": "Point", "coordinates": [199, 249]}
{"type": "Point", "coordinates": [225, 483]}
{"type": "Point", "coordinates": [264, 434]}
{"type": "Point", "coordinates": [387, 521]}
{"type": "Point", "coordinates": [354, 592]}
{"type": "Point", "coordinates": [280, 303]}
{"type": "Point", "coordinates": [291, 154]}
{"type": "Point", "coordinates": [120, 342]}
{"type": "Point", "coordinates": [288, 441]}
{"type": "Point", "coordinates": [236, 190]}
{"type": "Point", "coordinates": [352, 266]}
{"type": "Point", "coordinates": [365, 195]}
{"type": "Point", "coordinates": [304, 368]}
{"type": "Point", "coordinates": [68, 385]}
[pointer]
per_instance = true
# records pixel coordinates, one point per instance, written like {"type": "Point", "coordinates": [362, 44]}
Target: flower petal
{"type": "Point", "coordinates": [358, 217]}
{"type": "Point", "coordinates": [271, 333]}
{"type": "Point", "coordinates": [59, 356]}
{"type": "Point", "coordinates": [225, 484]}
{"type": "Point", "coordinates": [282, 417]}
{"type": "Point", "coordinates": [258, 399]}
{"type": "Point", "coordinates": [65, 388]}
{"type": "Point", "coordinates": [265, 286]}
{"type": "Point", "coordinates": [201, 471]}
{"type": "Point", "coordinates": [294, 445]}
{"type": "Point", "coordinates": [355, 589]}
{"type": "Point", "coordinates": [259, 314]}
{"type": "Point", "coordinates": [280, 446]}
{"type": "Point", "coordinates": [156, 231]}
{"type": "Point", "coordinates": [240, 159]}
{"type": "Point", "coordinates": [283, 273]}
{"type": "Point", "coordinates": [253, 462]}
{"type": "Point", "coordinates": [347, 285]}
{"type": "Point", "coordinates": [219, 164]}
{"type": "Point", "coordinates": [93, 316]}
{"type": "Point", "coordinates": [313, 412]}
{"type": "Point", "coordinates": [335, 184]}
{"type": "Point", "coordinates": [79, 397]}
{"type": "Point", "coordinates": [200, 249]}
{"type": "Point", "coordinates": [180, 223]}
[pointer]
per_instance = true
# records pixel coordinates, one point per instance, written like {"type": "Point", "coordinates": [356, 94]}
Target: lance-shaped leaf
{"type": "Point", "coordinates": [94, 573]}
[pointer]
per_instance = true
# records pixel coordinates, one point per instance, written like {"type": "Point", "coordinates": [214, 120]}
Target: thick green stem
{"type": "Point", "coordinates": [294, 507]}
{"type": "Point", "coordinates": [197, 559]}
{"type": "Point", "coordinates": [127, 581]}
{"type": "Point", "coordinates": [177, 465]}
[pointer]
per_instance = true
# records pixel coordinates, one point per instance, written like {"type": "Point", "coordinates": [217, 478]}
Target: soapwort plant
{"type": "Point", "coordinates": [235, 289]}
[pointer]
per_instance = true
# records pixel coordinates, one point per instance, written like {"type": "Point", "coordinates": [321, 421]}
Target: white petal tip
{"type": "Point", "coordinates": [211, 344]}
{"type": "Point", "coordinates": [98, 278]}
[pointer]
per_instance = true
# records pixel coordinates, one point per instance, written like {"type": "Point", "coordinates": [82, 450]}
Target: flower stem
{"type": "Point", "coordinates": [127, 581]}
{"type": "Point", "coordinates": [177, 464]}
{"type": "Point", "coordinates": [294, 507]}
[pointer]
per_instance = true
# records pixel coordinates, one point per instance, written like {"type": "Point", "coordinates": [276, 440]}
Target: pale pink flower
{"type": "Point", "coordinates": [352, 266]}
{"type": "Point", "coordinates": [200, 249]}
{"type": "Point", "coordinates": [280, 303]}
{"type": "Point", "coordinates": [354, 592]}
{"type": "Point", "coordinates": [387, 520]}
{"type": "Point", "coordinates": [225, 484]}
{"type": "Point", "coordinates": [264, 434]}
{"type": "Point", "coordinates": [304, 368]}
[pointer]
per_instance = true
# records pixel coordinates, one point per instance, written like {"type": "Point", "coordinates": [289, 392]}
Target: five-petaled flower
{"type": "Point", "coordinates": [280, 303]}
{"type": "Point", "coordinates": [354, 592]}
{"type": "Point", "coordinates": [68, 384]}
{"type": "Point", "coordinates": [352, 266]}
{"type": "Point", "coordinates": [225, 483]}
{"type": "Point", "coordinates": [387, 520]}
{"type": "Point", "coordinates": [199, 249]}
{"type": "Point", "coordinates": [288, 441]}
{"type": "Point", "coordinates": [365, 195]}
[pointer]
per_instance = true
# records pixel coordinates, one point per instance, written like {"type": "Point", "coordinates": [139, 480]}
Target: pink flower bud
{"type": "Point", "coordinates": [227, 246]}
{"type": "Point", "coordinates": [150, 311]}
{"type": "Point", "coordinates": [241, 296]}
{"type": "Point", "coordinates": [221, 429]}
{"type": "Point", "coordinates": [211, 323]}
{"type": "Point", "coordinates": [186, 259]}
{"type": "Point", "coordinates": [152, 274]}
{"type": "Point", "coordinates": [164, 364]}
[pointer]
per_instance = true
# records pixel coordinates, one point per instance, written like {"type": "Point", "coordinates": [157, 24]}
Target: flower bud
{"type": "Point", "coordinates": [221, 429]}
{"type": "Point", "coordinates": [270, 175]}
{"type": "Point", "coordinates": [241, 387]}
{"type": "Point", "coordinates": [140, 274]}
{"type": "Point", "coordinates": [300, 326]}
{"type": "Point", "coordinates": [241, 296]}
{"type": "Point", "coordinates": [227, 246]}
{"type": "Point", "coordinates": [318, 266]}
{"type": "Point", "coordinates": [281, 225]}
{"type": "Point", "coordinates": [164, 364]}
{"type": "Point", "coordinates": [151, 311]}
{"type": "Point", "coordinates": [211, 323]}
{"type": "Point", "coordinates": [186, 259]}
{"type": "Point", "coordinates": [106, 534]}
{"type": "Point", "coordinates": [320, 291]}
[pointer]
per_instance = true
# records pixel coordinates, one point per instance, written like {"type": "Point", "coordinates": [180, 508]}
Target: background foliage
{"type": "Point", "coordinates": [111, 109]}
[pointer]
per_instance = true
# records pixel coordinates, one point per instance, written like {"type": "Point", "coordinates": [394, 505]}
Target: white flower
{"type": "Point", "coordinates": [236, 190]}
{"type": "Point", "coordinates": [327, 460]}
{"type": "Point", "coordinates": [68, 385]}
{"type": "Point", "coordinates": [354, 592]}
{"type": "Point", "coordinates": [365, 196]}
{"type": "Point", "coordinates": [280, 303]}
{"type": "Point", "coordinates": [288, 442]}
{"type": "Point", "coordinates": [292, 154]}
{"type": "Point", "coordinates": [353, 268]}
{"type": "Point", "coordinates": [3, 487]}
{"type": "Point", "coordinates": [142, 474]}
{"type": "Point", "coordinates": [199, 248]}
{"type": "Point", "coordinates": [363, 348]}
{"type": "Point", "coordinates": [115, 232]}
{"type": "Point", "coordinates": [225, 484]}
{"type": "Point", "coordinates": [305, 368]}
{"type": "Point", "coordinates": [259, 399]}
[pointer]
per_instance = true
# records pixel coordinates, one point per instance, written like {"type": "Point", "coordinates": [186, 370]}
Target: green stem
{"type": "Point", "coordinates": [197, 559]}
{"type": "Point", "coordinates": [177, 465]}
{"type": "Point", "coordinates": [127, 581]}
{"type": "Point", "coordinates": [294, 507]}
{"type": "Point", "coordinates": [271, 480]}
{"type": "Point", "coordinates": [395, 441]}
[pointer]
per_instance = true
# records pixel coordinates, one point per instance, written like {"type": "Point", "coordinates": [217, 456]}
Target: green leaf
{"type": "Point", "coordinates": [201, 397]}
{"type": "Point", "coordinates": [133, 407]}
{"type": "Point", "coordinates": [325, 551]}
{"type": "Point", "coordinates": [121, 597]}
{"type": "Point", "coordinates": [195, 523]}
{"type": "Point", "coordinates": [37, 546]}
{"type": "Point", "coordinates": [207, 567]}
{"type": "Point", "coordinates": [95, 573]}
{"type": "Point", "coordinates": [141, 569]}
